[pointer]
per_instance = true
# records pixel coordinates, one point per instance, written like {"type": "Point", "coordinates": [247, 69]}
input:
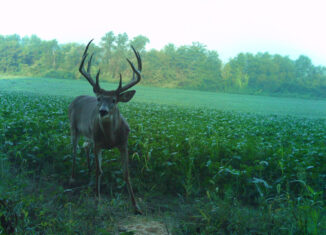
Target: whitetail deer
{"type": "Point", "coordinates": [99, 120]}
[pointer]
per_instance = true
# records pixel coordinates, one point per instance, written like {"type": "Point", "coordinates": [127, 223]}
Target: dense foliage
{"type": "Point", "coordinates": [240, 173]}
{"type": "Point", "coordinates": [190, 66]}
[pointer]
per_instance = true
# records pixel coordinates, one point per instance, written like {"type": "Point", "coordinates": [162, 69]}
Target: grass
{"type": "Point", "coordinates": [194, 169]}
{"type": "Point", "coordinates": [184, 98]}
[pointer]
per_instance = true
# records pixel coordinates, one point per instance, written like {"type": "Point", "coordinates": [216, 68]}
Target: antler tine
{"type": "Point", "coordinates": [89, 64]}
{"type": "Point", "coordinates": [134, 80]}
{"type": "Point", "coordinates": [89, 43]}
{"type": "Point", "coordinates": [97, 78]}
{"type": "Point", "coordinates": [83, 72]}
{"type": "Point", "coordinates": [138, 58]}
{"type": "Point", "coordinates": [137, 72]}
{"type": "Point", "coordinates": [138, 61]}
{"type": "Point", "coordinates": [87, 74]}
{"type": "Point", "coordinates": [120, 82]}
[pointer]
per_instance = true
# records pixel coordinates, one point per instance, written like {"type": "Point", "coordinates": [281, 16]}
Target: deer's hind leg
{"type": "Point", "coordinates": [87, 147]}
{"type": "Point", "coordinates": [74, 140]}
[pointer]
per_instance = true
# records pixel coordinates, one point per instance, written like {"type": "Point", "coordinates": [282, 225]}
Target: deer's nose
{"type": "Point", "coordinates": [103, 112]}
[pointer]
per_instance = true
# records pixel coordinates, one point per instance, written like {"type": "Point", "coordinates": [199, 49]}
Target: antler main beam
{"type": "Point", "coordinates": [134, 80]}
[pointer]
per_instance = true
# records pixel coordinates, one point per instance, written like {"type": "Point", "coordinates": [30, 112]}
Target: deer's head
{"type": "Point", "coordinates": [107, 100]}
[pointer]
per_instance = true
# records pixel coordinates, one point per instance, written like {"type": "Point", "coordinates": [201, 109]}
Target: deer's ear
{"type": "Point", "coordinates": [126, 96]}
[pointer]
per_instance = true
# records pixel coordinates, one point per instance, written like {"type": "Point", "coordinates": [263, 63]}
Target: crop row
{"type": "Point", "coordinates": [177, 150]}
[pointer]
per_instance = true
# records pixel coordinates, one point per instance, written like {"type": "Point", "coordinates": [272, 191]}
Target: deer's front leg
{"type": "Point", "coordinates": [125, 166]}
{"type": "Point", "coordinates": [98, 160]}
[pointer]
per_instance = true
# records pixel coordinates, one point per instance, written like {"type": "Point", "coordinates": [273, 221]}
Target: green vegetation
{"type": "Point", "coordinates": [189, 66]}
{"type": "Point", "coordinates": [180, 97]}
{"type": "Point", "coordinates": [196, 169]}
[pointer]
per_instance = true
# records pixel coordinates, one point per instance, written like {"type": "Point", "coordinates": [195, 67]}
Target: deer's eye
{"type": "Point", "coordinates": [98, 98]}
{"type": "Point", "coordinates": [113, 101]}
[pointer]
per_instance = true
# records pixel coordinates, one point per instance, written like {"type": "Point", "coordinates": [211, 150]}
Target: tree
{"type": "Point", "coordinates": [10, 51]}
{"type": "Point", "coordinates": [139, 43]}
{"type": "Point", "coordinates": [188, 66]}
{"type": "Point", "coordinates": [118, 64]}
{"type": "Point", "coordinates": [303, 69]}
{"type": "Point", "coordinates": [107, 47]}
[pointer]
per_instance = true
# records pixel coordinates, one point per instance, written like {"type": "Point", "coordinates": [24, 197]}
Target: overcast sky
{"type": "Point", "coordinates": [285, 27]}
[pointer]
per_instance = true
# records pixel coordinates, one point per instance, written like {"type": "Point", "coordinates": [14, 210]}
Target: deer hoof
{"type": "Point", "coordinates": [138, 211]}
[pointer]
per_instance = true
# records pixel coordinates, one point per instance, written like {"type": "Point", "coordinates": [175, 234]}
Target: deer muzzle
{"type": "Point", "coordinates": [103, 112]}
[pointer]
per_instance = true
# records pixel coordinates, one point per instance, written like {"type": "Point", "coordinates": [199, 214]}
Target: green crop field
{"type": "Point", "coordinates": [201, 163]}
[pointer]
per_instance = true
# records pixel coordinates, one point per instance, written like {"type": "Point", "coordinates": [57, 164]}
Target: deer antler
{"type": "Point", "coordinates": [136, 72]}
{"type": "Point", "coordinates": [87, 74]}
{"type": "Point", "coordinates": [136, 76]}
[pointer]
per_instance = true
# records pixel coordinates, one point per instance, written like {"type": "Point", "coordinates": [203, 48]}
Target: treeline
{"type": "Point", "coordinates": [190, 66]}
